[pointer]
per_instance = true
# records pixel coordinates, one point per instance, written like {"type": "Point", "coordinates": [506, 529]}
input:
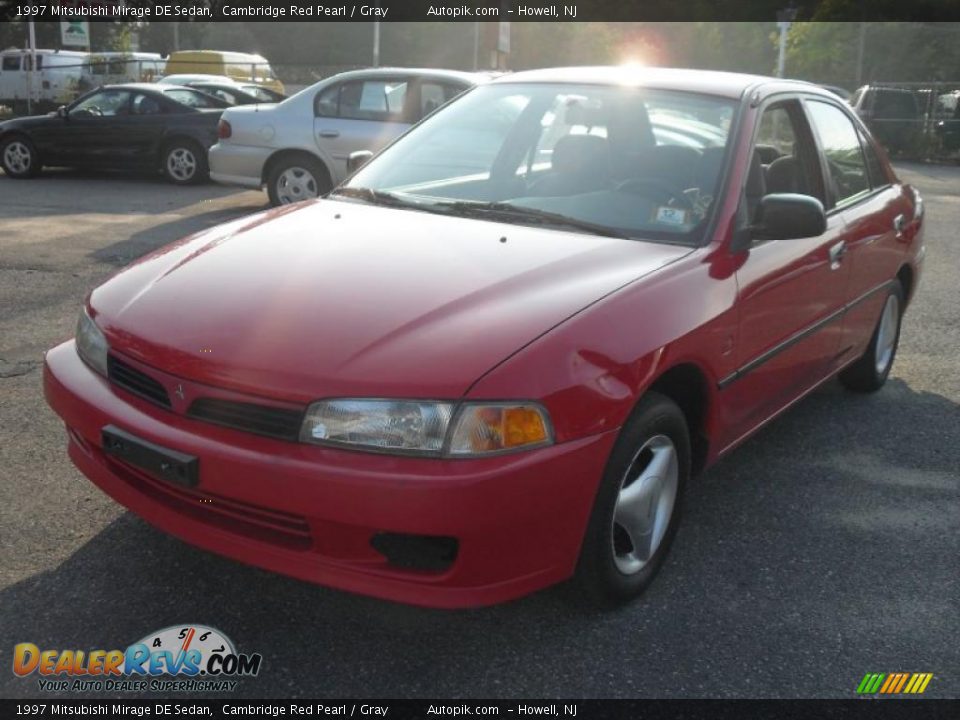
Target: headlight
{"type": "Point", "coordinates": [91, 344]}
{"type": "Point", "coordinates": [426, 428]}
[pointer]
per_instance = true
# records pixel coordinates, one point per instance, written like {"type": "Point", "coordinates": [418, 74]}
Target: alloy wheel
{"type": "Point", "coordinates": [887, 334]}
{"type": "Point", "coordinates": [648, 493]}
{"type": "Point", "coordinates": [181, 164]}
{"type": "Point", "coordinates": [295, 184]}
{"type": "Point", "coordinates": [17, 157]}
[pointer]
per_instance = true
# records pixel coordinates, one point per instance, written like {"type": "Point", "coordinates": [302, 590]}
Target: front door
{"type": "Point", "coordinates": [791, 292]}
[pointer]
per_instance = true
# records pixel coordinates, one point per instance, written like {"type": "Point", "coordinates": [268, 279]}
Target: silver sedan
{"type": "Point", "coordinates": [299, 148]}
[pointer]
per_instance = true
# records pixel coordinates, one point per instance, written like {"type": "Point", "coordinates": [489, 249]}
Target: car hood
{"type": "Point", "coordinates": [26, 123]}
{"type": "Point", "coordinates": [338, 298]}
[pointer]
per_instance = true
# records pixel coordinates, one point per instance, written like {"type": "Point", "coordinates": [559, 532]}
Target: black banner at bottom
{"type": "Point", "coordinates": [872, 709]}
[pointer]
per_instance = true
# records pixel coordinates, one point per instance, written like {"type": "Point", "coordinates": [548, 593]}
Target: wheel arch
{"type": "Point", "coordinates": [169, 140]}
{"type": "Point", "coordinates": [688, 386]}
{"type": "Point", "coordinates": [907, 277]}
{"type": "Point", "coordinates": [285, 153]}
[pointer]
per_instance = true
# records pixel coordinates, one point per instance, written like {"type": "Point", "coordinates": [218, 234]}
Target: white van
{"type": "Point", "coordinates": [109, 68]}
{"type": "Point", "coordinates": [56, 79]}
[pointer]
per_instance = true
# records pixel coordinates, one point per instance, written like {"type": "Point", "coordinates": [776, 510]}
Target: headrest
{"type": "Point", "coordinates": [756, 187]}
{"type": "Point", "coordinates": [576, 152]}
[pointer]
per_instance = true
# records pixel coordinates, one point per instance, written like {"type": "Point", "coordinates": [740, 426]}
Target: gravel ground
{"type": "Point", "coordinates": [824, 548]}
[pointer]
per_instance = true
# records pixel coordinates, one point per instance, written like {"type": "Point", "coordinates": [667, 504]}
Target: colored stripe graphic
{"type": "Point", "coordinates": [894, 683]}
{"type": "Point", "coordinates": [870, 683]}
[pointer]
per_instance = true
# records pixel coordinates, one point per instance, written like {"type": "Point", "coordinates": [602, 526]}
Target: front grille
{"type": "Point", "coordinates": [136, 382]}
{"type": "Point", "coordinates": [259, 523]}
{"type": "Point", "coordinates": [275, 422]}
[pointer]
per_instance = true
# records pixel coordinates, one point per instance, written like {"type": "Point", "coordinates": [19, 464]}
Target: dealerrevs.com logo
{"type": "Point", "coordinates": [185, 658]}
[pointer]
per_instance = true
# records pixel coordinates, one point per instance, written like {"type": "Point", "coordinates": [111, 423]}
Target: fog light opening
{"type": "Point", "coordinates": [427, 553]}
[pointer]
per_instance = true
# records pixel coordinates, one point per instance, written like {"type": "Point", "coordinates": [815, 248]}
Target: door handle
{"type": "Point", "coordinates": [836, 254]}
{"type": "Point", "coordinates": [899, 223]}
{"type": "Point", "coordinates": [329, 133]}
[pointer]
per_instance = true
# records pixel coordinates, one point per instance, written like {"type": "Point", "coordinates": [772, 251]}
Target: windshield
{"type": "Point", "coordinates": [634, 161]}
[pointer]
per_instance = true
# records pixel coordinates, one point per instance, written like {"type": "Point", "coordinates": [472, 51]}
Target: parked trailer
{"type": "Point", "coordinates": [111, 68]}
{"type": "Point", "coordinates": [56, 78]}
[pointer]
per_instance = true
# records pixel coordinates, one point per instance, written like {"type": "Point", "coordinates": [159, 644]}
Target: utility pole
{"type": "Point", "coordinates": [785, 18]}
{"type": "Point", "coordinates": [32, 41]}
{"type": "Point", "coordinates": [376, 39]}
{"type": "Point", "coordinates": [861, 44]}
{"type": "Point", "coordinates": [476, 46]}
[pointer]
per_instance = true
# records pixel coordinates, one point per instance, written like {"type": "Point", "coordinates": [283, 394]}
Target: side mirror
{"type": "Point", "coordinates": [62, 112]}
{"type": "Point", "coordinates": [357, 160]}
{"type": "Point", "coordinates": [788, 216]}
{"type": "Point", "coordinates": [783, 216]}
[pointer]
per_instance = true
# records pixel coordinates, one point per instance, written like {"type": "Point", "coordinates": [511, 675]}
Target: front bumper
{"type": "Point", "coordinates": [311, 512]}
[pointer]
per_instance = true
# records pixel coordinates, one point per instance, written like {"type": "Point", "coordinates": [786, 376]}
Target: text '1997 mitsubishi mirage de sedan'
{"type": "Point", "coordinates": [493, 359]}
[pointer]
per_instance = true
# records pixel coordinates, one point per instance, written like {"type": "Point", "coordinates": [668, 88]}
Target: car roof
{"type": "Point", "coordinates": [174, 78]}
{"type": "Point", "coordinates": [707, 82]}
{"type": "Point", "coordinates": [149, 87]}
{"type": "Point", "coordinates": [435, 73]}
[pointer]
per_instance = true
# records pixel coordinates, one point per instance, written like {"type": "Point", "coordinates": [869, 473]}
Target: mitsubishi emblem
{"type": "Point", "coordinates": [179, 391]}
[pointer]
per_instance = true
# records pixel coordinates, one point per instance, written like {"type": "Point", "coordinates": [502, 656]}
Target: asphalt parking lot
{"type": "Point", "coordinates": [826, 547]}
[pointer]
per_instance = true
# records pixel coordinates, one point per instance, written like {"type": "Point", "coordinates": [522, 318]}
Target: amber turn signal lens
{"type": "Point", "coordinates": [497, 427]}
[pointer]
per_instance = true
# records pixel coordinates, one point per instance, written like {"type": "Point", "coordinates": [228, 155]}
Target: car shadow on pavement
{"type": "Point", "coordinates": [156, 236]}
{"type": "Point", "coordinates": [787, 549]}
{"type": "Point", "coordinates": [54, 192]}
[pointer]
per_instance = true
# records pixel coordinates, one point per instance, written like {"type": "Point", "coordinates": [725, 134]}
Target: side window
{"type": "Point", "coordinates": [380, 100]}
{"type": "Point", "coordinates": [327, 102]}
{"type": "Point", "coordinates": [780, 162]}
{"type": "Point", "coordinates": [191, 98]}
{"type": "Point", "coordinates": [847, 170]}
{"type": "Point", "coordinates": [776, 137]}
{"type": "Point", "coordinates": [108, 103]}
{"type": "Point", "coordinates": [875, 170]}
{"type": "Point", "coordinates": [145, 105]}
{"type": "Point", "coordinates": [11, 62]}
{"type": "Point", "coordinates": [434, 94]}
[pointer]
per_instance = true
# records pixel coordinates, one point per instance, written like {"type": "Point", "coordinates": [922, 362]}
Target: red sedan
{"type": "Point", "coordinates": [493, 359]}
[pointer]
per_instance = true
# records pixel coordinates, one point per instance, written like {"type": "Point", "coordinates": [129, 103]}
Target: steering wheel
{"type": "Point", "coordinates": [94, 110]}
{"type": "Point", "coordinates": [663, 191]}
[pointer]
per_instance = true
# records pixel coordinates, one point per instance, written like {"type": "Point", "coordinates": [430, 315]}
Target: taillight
{"type": "Point", "coordinates": [223, 129]}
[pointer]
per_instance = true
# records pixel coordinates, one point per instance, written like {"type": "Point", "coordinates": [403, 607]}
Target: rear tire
{"type": "Point", "coordinates": [297, 178]}
{"type": "Point", "coordinates": [870, 372]}
{"type": "Point", "coordinates": [637, 509]}
{"type": "Point", "coordinates": [19, 158]}
{"type": "Point", "coordinates": [184, 162]}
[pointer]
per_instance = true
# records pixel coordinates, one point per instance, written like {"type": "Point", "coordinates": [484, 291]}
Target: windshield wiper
{"type": "Point", "coordinates": [377, 197]}
{"type": "Point", "coordinates": [508, 211]}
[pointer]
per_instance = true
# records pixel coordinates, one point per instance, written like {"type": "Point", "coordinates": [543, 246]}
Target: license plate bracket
{"type": "Point", "coordinates": [162, 463]}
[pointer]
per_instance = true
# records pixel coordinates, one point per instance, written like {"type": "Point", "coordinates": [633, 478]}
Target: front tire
{"type": "Point", "coordinates": [870, 372]}
{"type": "Point", "coordinates": [184, 162]}
{"type": "Point", "coordinates": [295, 179]}
{"type": "Point", "coordinates": [19, 158]}
{"type": "Point", "coordinates": [637, 508]}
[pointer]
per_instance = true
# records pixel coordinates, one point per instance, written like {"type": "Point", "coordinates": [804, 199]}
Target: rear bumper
{"type": "Point", "coordinates": [233, 164]}
{"type": "Point", "coordinates": [311, 512]}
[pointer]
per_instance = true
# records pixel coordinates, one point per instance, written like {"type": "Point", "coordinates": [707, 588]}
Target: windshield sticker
{"type": "Point", "coordinates": [671, 216]}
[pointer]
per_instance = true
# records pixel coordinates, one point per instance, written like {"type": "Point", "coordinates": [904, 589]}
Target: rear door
{"type": "Point", "coordinates": [791, 292]}
{"type": "Point", "coordinates": [874, 208]}
{"type": "Point", "coordinates": [360, 115]}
